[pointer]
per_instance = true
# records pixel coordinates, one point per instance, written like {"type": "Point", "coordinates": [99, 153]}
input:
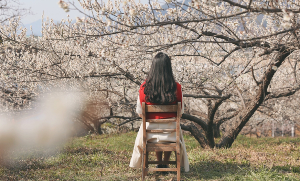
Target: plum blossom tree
{"type": "Point", "coordinates": [231, 57]}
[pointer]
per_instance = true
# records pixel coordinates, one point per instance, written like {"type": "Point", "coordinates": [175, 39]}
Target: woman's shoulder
{"type": "Point", "coordinates": [143, 85]}
{"type": "Point", "coordinates": [178, 85]}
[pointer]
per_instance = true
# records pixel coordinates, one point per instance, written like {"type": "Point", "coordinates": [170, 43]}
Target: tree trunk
{"type": "Point", "coordinates": [99, 130]}
{"type": "Point", "coordinates": [243, 117]}
{"type": "Point", "coordinates": [216, 128]}
{"type": "Point", "coordinates": [196, 133]}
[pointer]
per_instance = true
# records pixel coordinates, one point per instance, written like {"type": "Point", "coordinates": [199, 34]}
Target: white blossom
{"type": "Point", "coordinates": [284, 11]}
{"type": "Point", "coordinates": [78, 20]}
{"type": "Point", "coordinates": [64, 5]}
{"type": "Point", "coordinates": [125, 2]}
{"type": "Point", "coordinates": [108, 22]}
{"type": "Point", "coordinates": [196, 4]}
{"type": "Point", "coordinates": [171, 11]}
{"type": "Point", "coordinates": [286, 17]}
{"type": "Point", "coordinates": [286, 25]}
{"type": "Point", "coordinates": [132, 12]}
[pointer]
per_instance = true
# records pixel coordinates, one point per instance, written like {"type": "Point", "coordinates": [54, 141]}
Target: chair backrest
{"type": "Point", "coordinates": [161, 108]}
{"type": "Point", "coordinates": [148, 147]}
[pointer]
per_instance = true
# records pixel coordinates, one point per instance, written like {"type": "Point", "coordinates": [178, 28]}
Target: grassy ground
{"type": "Point", "coordinates": [106, 157]}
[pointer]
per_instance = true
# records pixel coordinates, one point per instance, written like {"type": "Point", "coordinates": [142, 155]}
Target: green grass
{"type": "Point", "coordinates": [106, 157]}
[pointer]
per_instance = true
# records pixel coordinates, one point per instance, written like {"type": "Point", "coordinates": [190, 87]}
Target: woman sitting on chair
{"type": "Point", "coordinates": [159, 88]}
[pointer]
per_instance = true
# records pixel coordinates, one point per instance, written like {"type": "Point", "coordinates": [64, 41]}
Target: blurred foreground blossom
{"type": "Point", "coordinates": [46, 128]}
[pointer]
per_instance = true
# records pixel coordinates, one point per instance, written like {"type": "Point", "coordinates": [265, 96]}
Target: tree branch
{"type": "Point", "coordinates": [205, 96]}
{"type": "Point", "coordinates": [196, 120]}
{"type": "Point", "coordinates": [285, 93]}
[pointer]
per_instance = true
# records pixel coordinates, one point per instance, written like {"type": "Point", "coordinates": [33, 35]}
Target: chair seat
{"type": "Point", "coordinates": [161, 162]}
{"type": "Point", "coordinates": [161, 131]}
{"type": "Point", "coordinates": [161, 147]}
{"type": "Point", "coordinates": [161, 120]}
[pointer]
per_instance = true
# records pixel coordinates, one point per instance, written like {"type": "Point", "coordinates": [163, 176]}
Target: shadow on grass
{"type": "Point", "coordinates": [215, 170]}
{"type": "Point", "coordinates": [69, 164]}
{"type": "Point", "coordinates": [230, 170]}
{"type": "Point", "coordinates": [38, 162]}
{"type": "Point", "coordinates": [288, 168]}
{"type": "Point", "coordinates": [204, 170]}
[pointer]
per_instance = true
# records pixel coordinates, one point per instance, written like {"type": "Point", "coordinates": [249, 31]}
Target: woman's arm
{"type": "Point", "coordinates": [139, 107]}
{"type": "Point", "coordinates": [182, 107]}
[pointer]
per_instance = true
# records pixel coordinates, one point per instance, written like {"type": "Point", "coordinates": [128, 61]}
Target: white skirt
{"type": "Point", "coordinates": [136, 159]}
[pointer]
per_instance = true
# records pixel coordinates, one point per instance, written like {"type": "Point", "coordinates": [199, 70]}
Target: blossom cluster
{"type": "Point", "coordinates": [64, 5]}
{"type": "Point", "coordinates": [287, 18]}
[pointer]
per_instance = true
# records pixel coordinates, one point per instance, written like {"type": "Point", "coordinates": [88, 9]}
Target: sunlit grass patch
{"type": "Point", "coordinates": [117, 142]}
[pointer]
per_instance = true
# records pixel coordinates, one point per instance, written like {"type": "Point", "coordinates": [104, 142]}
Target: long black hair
{"type": "Point", "coordinates": [160, 86]}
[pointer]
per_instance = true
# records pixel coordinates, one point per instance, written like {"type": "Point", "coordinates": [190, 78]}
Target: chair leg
{"type": "Point", "coordinates": [178, 166]}
{"type": "Point", "coordinates": [147, 165]}
{"type": "Point", "coordinates": [143, 170]}
{"type": "Point", "coordinates": [143, 165]}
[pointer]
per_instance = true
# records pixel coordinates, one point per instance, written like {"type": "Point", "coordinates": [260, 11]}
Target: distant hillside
{"type": "Point", "coordinates": [36, 27]}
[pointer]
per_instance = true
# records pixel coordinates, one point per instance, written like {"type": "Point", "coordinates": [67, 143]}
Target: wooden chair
{"type": "Point", "coordinates": [153, 147]}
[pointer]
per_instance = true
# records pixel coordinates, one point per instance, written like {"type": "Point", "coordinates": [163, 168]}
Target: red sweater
{"type": "Point", "coordinates": [161, 115]}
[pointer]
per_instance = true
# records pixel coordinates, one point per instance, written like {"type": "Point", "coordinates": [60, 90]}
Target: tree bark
{"type": "Point", "coordinates": [196, 133]}
{"type": "Point", "coordinates": [216, 128]}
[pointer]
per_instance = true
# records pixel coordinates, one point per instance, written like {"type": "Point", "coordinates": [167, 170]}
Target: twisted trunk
{"type": "Point", "coordinates": [244, 115]}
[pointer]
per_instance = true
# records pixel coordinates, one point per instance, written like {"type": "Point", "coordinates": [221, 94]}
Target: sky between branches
{"type": "Point", "coordinates": [52, 10]}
